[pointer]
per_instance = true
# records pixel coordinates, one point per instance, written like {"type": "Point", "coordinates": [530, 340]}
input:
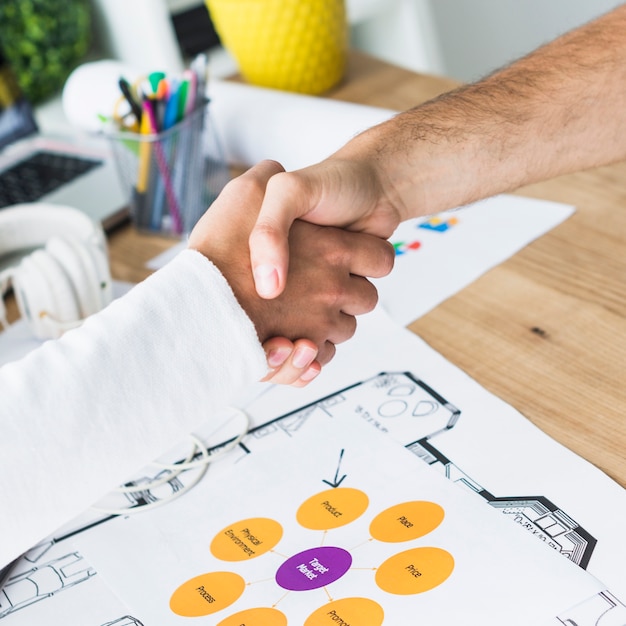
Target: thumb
{"type": "Point", "coordinates": [285, 201]}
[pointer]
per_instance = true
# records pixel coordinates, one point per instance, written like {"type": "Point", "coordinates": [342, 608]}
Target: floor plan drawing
{"type": "Point", "coordinates": [604, 609]}
{"type": "Point", "coordinates": [289, 548]}
{"type": "Point", "coordinates": [43, 581]}
{"type": "Point", "coordinates": [396, 403]}
{"type": "Point", "coordinates": [401, 403]}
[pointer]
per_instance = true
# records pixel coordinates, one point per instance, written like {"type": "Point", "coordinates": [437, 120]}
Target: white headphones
{"type": "Point", "coordinates": [60, 284]}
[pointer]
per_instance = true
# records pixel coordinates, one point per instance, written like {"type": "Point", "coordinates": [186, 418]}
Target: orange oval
{"type": "Point", "coordinates": [406, 521]}
{"type": "Point", "coordinates": [256, 617]}
{"type": "Point", "coordinates": [415, 571]}
{"type": "Point", "coordinates": [361, 611]}
{"type": "Point", "coordinates": [246, 539]}
{"type": "Point", "coordinates": [332, 508]}
{"type": "Point", "coordinates": [207, 594]}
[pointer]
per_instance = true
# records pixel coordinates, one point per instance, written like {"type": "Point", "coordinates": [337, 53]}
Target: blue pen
{"type": "Point", "coordinates": [170, 116]}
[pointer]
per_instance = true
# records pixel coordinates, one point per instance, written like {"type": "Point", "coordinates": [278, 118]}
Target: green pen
{"type": "Point", "coordinates": [155, 78]}
{"type": "Point", "coordinates": [182, 99]}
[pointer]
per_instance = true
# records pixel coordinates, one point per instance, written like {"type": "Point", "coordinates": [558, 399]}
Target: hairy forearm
{"type": "Point", "coordinates": [560, 109]}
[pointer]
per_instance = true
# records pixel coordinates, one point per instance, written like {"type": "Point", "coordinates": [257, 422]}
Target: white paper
{"type": "Point", "coordinates": [256, 123]}
{"type": "Point", "coordinates": [495, 569]}
{"type": "Point", "coordinates": [439, 255]}
{"type": "Point", "coordinates": [488, 444]}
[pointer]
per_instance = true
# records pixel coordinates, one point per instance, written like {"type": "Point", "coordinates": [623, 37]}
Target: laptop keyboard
{"type": "Point", "coordinates": [40, 174]}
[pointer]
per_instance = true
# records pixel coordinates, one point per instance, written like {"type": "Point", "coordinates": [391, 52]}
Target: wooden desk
{"type": "Point", "coordinates": [546, 330]}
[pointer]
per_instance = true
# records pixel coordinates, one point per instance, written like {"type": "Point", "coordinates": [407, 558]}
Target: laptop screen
{"type": "Point", "coordinates": [16, 115]}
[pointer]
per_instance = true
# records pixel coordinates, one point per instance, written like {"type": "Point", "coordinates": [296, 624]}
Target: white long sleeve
{"type": "Point", "coordinates": [79, 415]}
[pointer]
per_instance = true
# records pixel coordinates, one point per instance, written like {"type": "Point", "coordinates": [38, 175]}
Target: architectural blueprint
{"type": "Point", "coordinates": [389, 380]}
{"type": "Point", "coordinates": [339, 523]}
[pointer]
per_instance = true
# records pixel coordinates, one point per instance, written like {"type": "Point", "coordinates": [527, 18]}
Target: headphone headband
{"type": "Point", "coordinates": [66, 278]}
{"type": "Point", "coordinates": [26, 226]}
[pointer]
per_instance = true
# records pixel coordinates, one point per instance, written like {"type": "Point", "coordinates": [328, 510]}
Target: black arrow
{"type": "Point", "coordinates": [337, 480]}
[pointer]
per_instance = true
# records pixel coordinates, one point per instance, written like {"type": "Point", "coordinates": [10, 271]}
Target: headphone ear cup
{"type": "Point", "coordinates": [78, 265]}
{"type": "Point", "coordinates": [100, 264]}
{"type": "Point", "coordinates": [32, 294]}
{"type": "Point", "coordinates": [5, 283]}
{"type": "Point", "coordinates": [5, 280]}
{"type": "Point", "coordinates": [45, 294]}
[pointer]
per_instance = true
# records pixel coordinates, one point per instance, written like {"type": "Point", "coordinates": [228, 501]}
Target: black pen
{"type": "Point", "coordinates": [128, 94]}
{"type": "Point", "coordinates": [7, 570]}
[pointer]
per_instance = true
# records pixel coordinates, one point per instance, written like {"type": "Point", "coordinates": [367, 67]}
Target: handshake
{"type": "Point", "coordinates": [314, 283]}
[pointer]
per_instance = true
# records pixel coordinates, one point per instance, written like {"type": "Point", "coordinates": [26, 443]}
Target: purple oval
{"type": "Point", "coordinates": [313, 568]}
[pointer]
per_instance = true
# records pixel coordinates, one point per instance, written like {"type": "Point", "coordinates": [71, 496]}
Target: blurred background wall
{"type": "Point", "coordinates": [477, 36]}
{"type": "Point", "coordinates": [464, 39]}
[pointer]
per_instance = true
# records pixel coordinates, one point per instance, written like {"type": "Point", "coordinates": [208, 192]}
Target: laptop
{"type": "Point", "coordinates": [74, 171]}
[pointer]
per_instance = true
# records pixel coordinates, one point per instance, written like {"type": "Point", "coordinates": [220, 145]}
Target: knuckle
{"type": "Point", "coordinates": [384, 257]}
{"type": "Point", "coordinates": [335, 295]}
{"type": "Point", "coordinates": [363, 297]}
{"type": "Point", "coordinates": [329, 252]}
{"type": "Point", "coordinates": [348, 329]}
{"type": "Point", "coordinates": [326, 353]}
{"type": "Point", "coordinates": [262, 229]}
{"type": "Point", "coordinates": [389, 257]}
{"type": "Point", "coordinates": [370, 299]}
{"type": "Point", "coordinates": [249, 185]}
{"type": "Point", "coordinates": [287, 183]}
{"type": "Point", "coordinates": [272, 164]}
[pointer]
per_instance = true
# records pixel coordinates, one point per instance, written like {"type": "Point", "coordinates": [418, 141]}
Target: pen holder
{"type": "Point", "coordinates": [173, 176]}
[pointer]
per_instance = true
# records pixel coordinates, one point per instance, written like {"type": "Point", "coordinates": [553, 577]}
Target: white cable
{"type": "Point", "coordinates": [213, 457]}
{"type": "Point", "coordinates": [197, 445]}
{"type": "Point", "coordinates": [178, 468]}
{"type": "Point", "coordinates": [176, 494]}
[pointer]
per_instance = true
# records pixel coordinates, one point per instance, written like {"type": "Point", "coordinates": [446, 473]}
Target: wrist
{"type": "Point", "coordinates": [427, 161]}
{"type": "Point", "coordinates": [238, 274]}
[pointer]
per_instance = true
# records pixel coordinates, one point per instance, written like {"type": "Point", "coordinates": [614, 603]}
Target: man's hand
{"type": "Point", "coordinates": [325, 285]}
{"type": "Point", "coordinates": [339, 191]}
{"type": "Point", "coordinates": [557, 110]}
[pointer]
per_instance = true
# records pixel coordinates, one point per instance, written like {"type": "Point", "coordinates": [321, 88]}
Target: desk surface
{"type": "Point", "coordinates": [546, 330]}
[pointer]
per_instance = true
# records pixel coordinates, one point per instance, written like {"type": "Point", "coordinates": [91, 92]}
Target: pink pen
{"type": "Point", "coordinates": [164, 170]}
{"type": "Point", "coordinates": [192, 90]}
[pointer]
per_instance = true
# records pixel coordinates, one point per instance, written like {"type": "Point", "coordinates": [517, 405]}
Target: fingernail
{"type": "Point", "coordinates": [310, 374]}
{"type": "Point", "coordinates": [266, 279]}
{"type": "Point", "coordinates": [278, 356]}
{"type": "Point", "coordinates": [303, 356]}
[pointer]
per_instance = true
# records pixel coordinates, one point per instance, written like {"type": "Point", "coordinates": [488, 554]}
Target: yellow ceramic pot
{"type": "Point", "coordinates": [295, 45]}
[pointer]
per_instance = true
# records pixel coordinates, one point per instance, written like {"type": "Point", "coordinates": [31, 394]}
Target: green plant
{"type": "Point", "coordinates": [43, 40]}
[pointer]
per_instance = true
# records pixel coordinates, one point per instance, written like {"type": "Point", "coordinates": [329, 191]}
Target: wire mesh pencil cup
{"type": "Point", "coordinates": [172, 176]}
